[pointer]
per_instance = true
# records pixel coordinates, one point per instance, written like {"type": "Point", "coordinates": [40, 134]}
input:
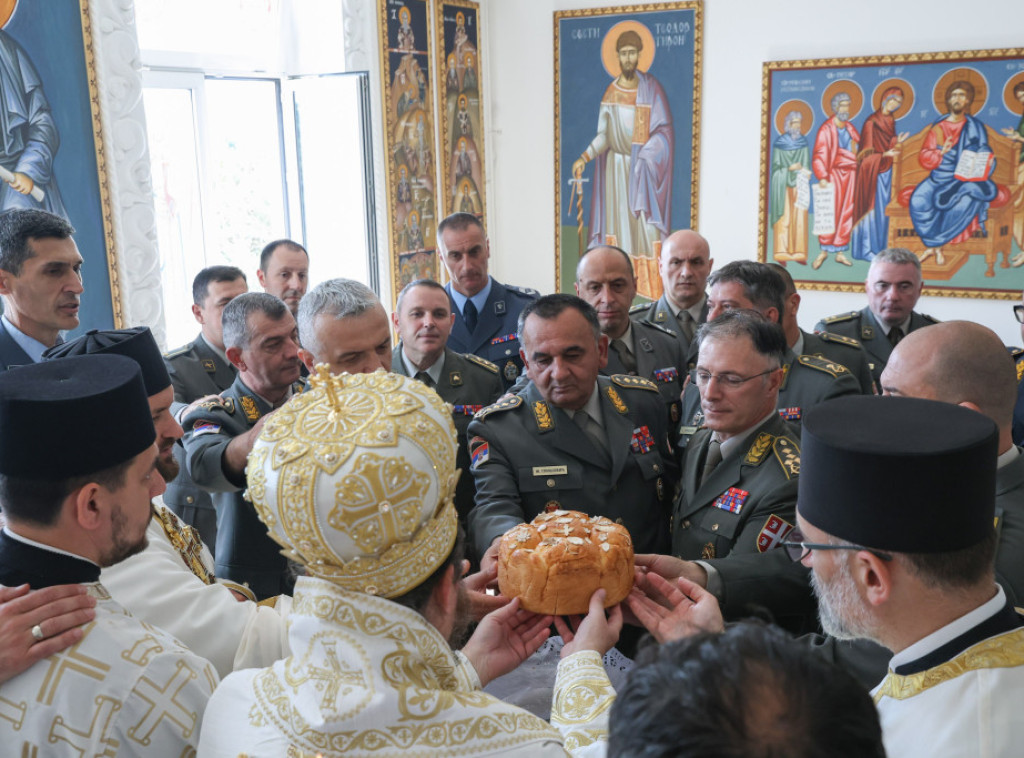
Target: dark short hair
{"type": "Point", "coordinates": [270, 247]}
{"type": "Point", "coordinates": [38, 501]}
{"type": "Point", "coordinates": [631, 38]}
{"type": "Point", "coordinates": [1018, 87]}
{"type": "Point", "coordinates": [748, 692]}
{"type": "Point", "coordinates": [235, 319]}
{"type": "Point", "coordinates": [214, 274]}
{"type": "Point", "coordinates": [768, 338]}
{"type": "Point", "coordinates": [762, 286]}
{"type": "Point", "coordinates": [429, 283]}
{"type": "Point", "coordinates": [788, 285]}
{"type": "Point", "coordinates": [417, 598]}
{"type": "Point", "coordinates": [17, 227]}
{"type": "Point", "coordinates": [552, 306]}
{"type": "Point", "coordinates": [963, 84]}
{"type": "Point", "coordinates": [457, 222]}
{"type": "Point", "coordinates": [957, 569]}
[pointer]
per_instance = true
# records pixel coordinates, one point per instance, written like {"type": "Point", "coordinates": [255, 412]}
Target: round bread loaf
{"type": "Point", "coordinates": [555, 563]}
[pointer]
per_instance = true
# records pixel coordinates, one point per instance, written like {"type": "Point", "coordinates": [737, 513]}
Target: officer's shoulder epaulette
{"type": "Point", "coordinates": [525, 291]}
{"type": "Point", "coordinates": [1017, 354]}
{"type": "Point", "coordinates": [227, 405]}
{"type": "Point", "coordinates": [931, 319]}
{"type": "Point", "coordinates": [481, 362]}
{"type": "Point", "coordinates": [839, 339]}
{"type": "Point", "coordinates": [838, 319]}
{"type": "Point", "coordinates": [502, 405]}
{"type": "Point", "coordinates": [787, 453]}
{"type": "Point", "coordinates": [658, 327]}
{"type": "Point", "coordinates": [641, 308]}
{"type": "Point", "coordinates": [822, 364]}
{"type": "Point", "coordinates": [634, 382]}
{"type": "Point", "coordinates": [180, 351]}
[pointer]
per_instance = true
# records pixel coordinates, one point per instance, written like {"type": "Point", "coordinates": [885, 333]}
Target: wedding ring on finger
{"type": "Point", "coordinates": [37, 633]}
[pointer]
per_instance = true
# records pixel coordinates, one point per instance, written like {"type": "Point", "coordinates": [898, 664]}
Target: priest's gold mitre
{"type": "Point", "coordinates": [355, 477]}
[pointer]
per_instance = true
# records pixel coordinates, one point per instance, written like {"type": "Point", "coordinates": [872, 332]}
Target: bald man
{"type": "Point", "coordinates": [685, 263]}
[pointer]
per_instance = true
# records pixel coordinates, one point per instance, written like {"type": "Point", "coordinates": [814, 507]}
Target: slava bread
{"type": "Point", "coordinates": [555, 563]}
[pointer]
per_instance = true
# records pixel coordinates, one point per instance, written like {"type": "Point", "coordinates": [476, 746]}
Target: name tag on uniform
{"type": "Point", "coordinates": [550, 470]}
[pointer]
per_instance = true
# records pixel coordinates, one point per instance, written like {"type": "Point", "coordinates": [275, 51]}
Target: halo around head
{"type": "Point", "coordinates": [356, 477]}
{"type": "Point", "coordinates": [610, 56]}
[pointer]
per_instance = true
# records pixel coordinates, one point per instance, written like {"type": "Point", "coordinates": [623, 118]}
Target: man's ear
{"type": "Point", "coordinates": [261, 277]}
{"type": "Point", "coordinates": [197, 313]}
{"type": "Point", "coordinates": [234, 355]}
{"type": "Point", "coordinates": [5, 277]}
{"type": "Point", "coordinates": [88, 506]}
{"type": "Point", "coordinates": [602, 352]}
{"type": "Point", "coordinates": [874, 576]}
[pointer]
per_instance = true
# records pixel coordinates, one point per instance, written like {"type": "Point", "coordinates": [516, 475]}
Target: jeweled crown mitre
{"type": "Point", "coordinates": [356, 476]}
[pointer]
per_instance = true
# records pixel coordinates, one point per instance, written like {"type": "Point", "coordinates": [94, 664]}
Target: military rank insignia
{"type": "Point", "coordinates": [613, 396]}
{"type": "Point", "coordinates": [503, 338]}
{"type": "Point", "coordinates": [481, 452]}
{"type": "Point", "coordinates": [209, 365]}
{"type": "Point", "coordinates": [669, 374]}
{"type": "Point", "coordinates": [660, 316]}
{"type": "Point", "coordinates": [543, 416]}
{"type": "Point", "coordinates": [790, 414]}
{"type": "Point", "coordinates": [774, 531]}
{"type": "Point", "coordinates": [642, 441]}
{"type": "Point", "coordinates": [731, 500]}
{"type": "Point", "coordinates": [708, 551]}
{"type": "Point", "coordinates": [466, 410]}
{"type": "Point", "coordinates": [867, 333]}
{"type": "Point", "coordinates": [249, 408]}
{"type": "Point", "coordinates": [511, 371]}
{"type": "Point", "coordinates": [455, 378]}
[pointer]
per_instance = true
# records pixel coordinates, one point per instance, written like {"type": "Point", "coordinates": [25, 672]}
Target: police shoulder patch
{"type": "Point", "coordinates": [822, 364]}
{"type": "Point", "coordinates": [839, 339]}
{"type": "Point", "coordinates": [502, 405]}
{"type": "Point", "coordinates": [636, 382]}
{"type": "Point", "coordinates": [841, 318]}
{"type": "Point", "coordinates": [640, 308]}
{"type": "Point", "coordinates": [482, 362]}
{"type": "Point", "coordinates": [787, 452]}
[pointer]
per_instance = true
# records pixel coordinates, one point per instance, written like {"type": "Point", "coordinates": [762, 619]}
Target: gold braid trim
{"type": "Point", "coordinates": [582, 699]}
{"type": "Point", "coordinates": [1003, 651]}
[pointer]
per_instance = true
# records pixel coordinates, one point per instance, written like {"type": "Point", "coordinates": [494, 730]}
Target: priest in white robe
{"type": "Point", "coordinates": [356, 478]}
{"type": "Point", "coordinates": [76, 490]}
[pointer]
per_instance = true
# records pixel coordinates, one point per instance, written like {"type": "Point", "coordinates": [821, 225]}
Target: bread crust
{"type": "Point", "coordinates": [555, 563]}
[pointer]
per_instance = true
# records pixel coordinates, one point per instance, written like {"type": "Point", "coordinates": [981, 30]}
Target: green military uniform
{"type": "Point", "coordinates": [809, 380]}
{"type": "Point", "coordinates": [659, 357]}
{"type": "Point", "coordinates": [468, 383]}
{"type": "Point", "coordinates": [864, 327]}
{"type": "Point", "coordinates": [245, 553]}
{"type": "Point", "coordinates": [845, 351]}
{"type": "Point", "coordinates": [736, 518]}
{"type": "Point", "coordinates": [659, 312]}
{"type": "Point", "coordinates": [196, 370]}
{"type": "Point", "coordinates": [528, 455]}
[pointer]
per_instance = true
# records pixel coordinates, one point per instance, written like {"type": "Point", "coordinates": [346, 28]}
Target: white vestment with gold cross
{"type": "Point", "coordinates": [369, 677]}
{"type": "Point", "coordinates": [126, 689]}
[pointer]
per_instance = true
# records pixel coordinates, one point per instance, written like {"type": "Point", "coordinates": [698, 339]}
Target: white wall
{"type": "Point", "coordinates": [739, 35]}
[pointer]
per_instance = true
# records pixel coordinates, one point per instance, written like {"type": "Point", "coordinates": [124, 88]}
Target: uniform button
{"type": "Point", "coordinates": [189, 499]}
{"type": "Point", "coordinates": [686, 524]}
{"type": "Point", "coordinates": [714, 527]}
{"type": "Point", "coordinates": [550, 482]}
{"type": "Point", "coordinates": [508, 352]}
{"type": "Point", "coordinates": [656, 468]}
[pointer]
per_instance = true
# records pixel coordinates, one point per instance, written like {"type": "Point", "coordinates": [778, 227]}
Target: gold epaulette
{"type": "Point", "coordinates": [185, 540]}
{"type": "Point", "coordinates": [787, 452]}
{"type": "Point", "coordinates": [634, 382]}
{"type": "Point", "coordinates": [821, 364]}
{"type": "Point", "coordinates": [481, 362]}
{"type": "Point", "coordinates": [841, 317]}
{"type": "Point", "coordinates": [227, 405]}
{"type": "Point", "coordinates": [502, 405]}
{"type": "Point", "coordinates": [840, 340]}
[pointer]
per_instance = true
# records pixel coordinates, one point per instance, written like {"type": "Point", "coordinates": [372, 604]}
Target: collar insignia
{"type": "Point", "coordinates": [543, 416]}
{"type": "Point", "coordinates": [760, 449]}
{"type": "Point", "coordinates": [455, 378]}
{"type": "Point", "coordinates": [249, 408]}
{"type": "Point", "coordinates": [613, 396]}
{"type": "Point", "coordinates": [209, 365]}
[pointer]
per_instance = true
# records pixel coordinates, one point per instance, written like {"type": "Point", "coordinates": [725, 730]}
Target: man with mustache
{"type": "Point", "coordinates": [834, 162]}
{"type": "Point", "coordinates": [40, 284]}
{"type": "Point", "coordinates": [284, 272]}
{"type": "Point", "coordinates": [262, 342]}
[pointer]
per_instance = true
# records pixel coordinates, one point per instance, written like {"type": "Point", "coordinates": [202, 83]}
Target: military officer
{"type": "Point", "coordinates": [605, 279]}
{"type": "Point", "coordinates": [893, 287]}
{"type": "Point", "coordinates": [343, 324]}
{"type": "Point", "coordinates": [685, 263]}
{"type": "Point", "coordinates": [737, 496]}
{"type": "Point", "coordinates": [571, 439]}
{"type": "Point", "coordinates": [40, 284]}
{"type": "Point", "coordinates": [199, 369]}
{"type": "Point", "coordinates": [262, 343]}
{"type": "Point", "coordinates": [423, 320]}
{"type": "Point", "coordinates": [834, 348]}
{"type": "Point", "coordinates": [284, 272]}
{"type": "Point", "coordinates": [806, 379]}
{"type": "Point", "coordinates": [486, 311]}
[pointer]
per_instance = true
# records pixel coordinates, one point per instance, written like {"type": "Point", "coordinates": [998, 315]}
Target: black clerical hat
{"type": "Point", "coordinates": [898, 473]}
{"type": "Point", "coordinates": [72, 417]}
{"type": "Point", "coordinates": [136, 343]}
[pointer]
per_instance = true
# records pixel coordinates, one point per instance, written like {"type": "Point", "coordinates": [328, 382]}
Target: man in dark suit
{"type": "Point", "coordinates": [893, 287]}
{"type": "Point", "coordinates": [685, 263]}
{"type": "Point", "coordinates": [572, 439]}
{"type": "Point", "coordinates": [40, 284]}
{"type": "Point", "coordinates": [200, 369]}
{"type": "Point", "coordinates": [486, 311]}
{"type": "Point", "coordinates": [423, 320]}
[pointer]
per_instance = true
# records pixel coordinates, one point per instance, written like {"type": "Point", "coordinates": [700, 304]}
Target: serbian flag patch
{"type": "Point", "coordinates": [732, 500]}
{"type": "Point", "coordinates": [774, 531]}
{"type": "Point", "coordinates": [205, 427]}
{"type": "Point", "coordinates": [642, 440]}
{"type": "Point", "coordinates": [481, 451]}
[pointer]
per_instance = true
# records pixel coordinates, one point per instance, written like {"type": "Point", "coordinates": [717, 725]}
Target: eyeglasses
{"type": "Point", "coordinates": [728, 380]}
{"type": "Point", "coordinates": [1018, 311]}
{"type": "Point", "coordinates": [797, 549]}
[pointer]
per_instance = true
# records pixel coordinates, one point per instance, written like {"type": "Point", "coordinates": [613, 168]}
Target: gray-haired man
{"type": "Point", "coordinates": [343, 324]}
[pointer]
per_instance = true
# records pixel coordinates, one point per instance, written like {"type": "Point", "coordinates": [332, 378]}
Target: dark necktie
{"type": "Point", "coordinates": [592, 429]}
{"type": "Point", "coordinates": [711, 460]}
{"type": "Point", "coordinates": [427, 379]}
{"type": "Point", "coordinates": [686, 324]}
{"type": "Point", "coordinates": [628, 361]}
{"type": "Point", "coordinates": [469, 314]}
{"type": "Point", "coordinates": [895, 335]}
